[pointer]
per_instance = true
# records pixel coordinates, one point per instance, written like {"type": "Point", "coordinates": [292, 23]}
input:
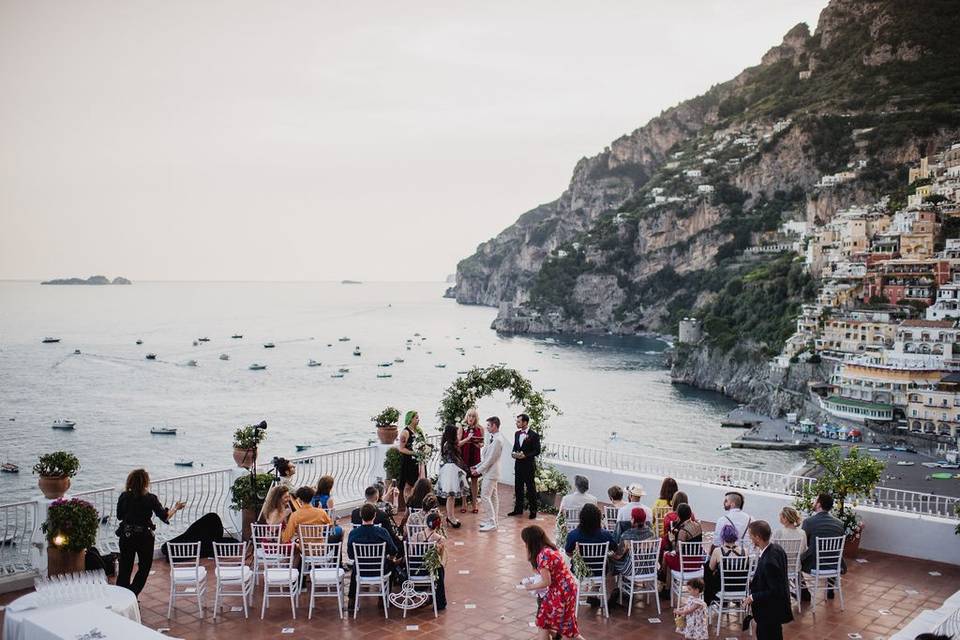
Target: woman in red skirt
{"type": "Point", "coordinates": [558, 607]}
{"type": "Point", "coordinates": [470, 439]}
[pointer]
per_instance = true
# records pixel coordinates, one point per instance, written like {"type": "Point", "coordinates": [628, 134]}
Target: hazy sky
{"type": "Point", "coordinates": [294, 140]}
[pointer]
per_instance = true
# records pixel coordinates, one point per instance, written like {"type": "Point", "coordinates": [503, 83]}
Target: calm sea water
{"type": "Point", "coordinates": [115, 395]}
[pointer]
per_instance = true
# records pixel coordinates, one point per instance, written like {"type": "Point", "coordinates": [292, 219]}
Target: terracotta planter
{"type": "Point", "coordinates": [248, 517]}
{"type": "Point", "coordinates": [387, 434]}
{"type": "Point", "coordinates": [244, 457]}
{"type": "Point", "coordinates": [60, 561]}
{"type": "Point", "coordinates": [54, 487]}
{"type": "Point", "coordinates": [851, 546]}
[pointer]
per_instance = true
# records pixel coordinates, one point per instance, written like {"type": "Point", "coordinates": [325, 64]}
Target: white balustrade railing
{"type": "Point", "coordinates": [18, 522]}
{"type": "Point", "coordinates": [354, 469]}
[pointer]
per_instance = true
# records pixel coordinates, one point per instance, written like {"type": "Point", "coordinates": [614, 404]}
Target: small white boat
{"type": "Point", "coordinates": [579, 341]}
{"type": "Point", "coordinates": [440, 366]}
{"type": "Point", "coordinates": [49, 340]}
{"type": "Point", "coordinates": [384, 375]}
{"type": "Point", "coordinates": [904, 463]}
{"type": "Point", "coordinates": [269, 345]}
{"type": "Point", "coordinates": [257, 367]}
{"type": "Point", "coordinates": [9, 467]}
{"type": "Point", "coordinates": [237, 336]}
{"type": "Point", "coordinates": [63, 424]}
{"type": "Point", "coordinates": [723, 447]}
{"type": "Point", "coordinates": [163, 431]}
{"type": "Point", "coordinates": [462, 373]}
{"type": "Point", "coordinates": [533, 370]}
{"type": "Point", "coordinates": [313, 363]}
{"type": "Point", "coordinates": [204, 339]}
{"type": "Point", "coordinates": [183, 462]}
{"type": "Point", "coordinates": [343, 370]}
{"type": "Point", "coordinates": [336, 375]}
{"type": "Point", "coordinates": [399, 360]}
{"type": "Point", "coordinates": [552, 389]}
{"type": "Point", "coordinates": [76, 352]}
{"type": "Point", "coordinates": [613, 435]}
{"type": "Point", "coordinates": [303, 447]}
{"type": "Point", "coordinates": [384, 364]}
{"type": "Point", "coordinates": [224, 356]}
{"type": "Point", "coordinates": [139, 341]}
{"type": "Point", "coordinates": [151, 356]}
{"type": "Point", "coordinates": [343, 339]}
{"type": "Point", "coordinates": [356, 351]}
{"type": "Point", "coordinates": [192, 363]}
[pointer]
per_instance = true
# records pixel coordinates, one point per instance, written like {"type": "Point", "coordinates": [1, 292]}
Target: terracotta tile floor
{"type": "Point", "coordinates": [482, 602]}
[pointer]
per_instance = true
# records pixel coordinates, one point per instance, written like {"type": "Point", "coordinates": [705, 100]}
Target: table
{"type": "Point", "coordinates": [23, 614]}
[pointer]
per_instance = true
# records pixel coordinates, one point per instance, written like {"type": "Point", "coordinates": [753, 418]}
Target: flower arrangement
{"type": "Point", "coordinates": [248, 437]}
{"type": "Point", "coordinates": [59, 464]}
{"type": "Point", "coordinates": [421, 447]}
{"type": "Point", "coordinates": [432, 561]}
{"type": "Point", "coordinates": [848, 479]}
{"type": "Point", "coordinates": [549, 480]}
{"type": "Point", "coordinates": [578, 566]}
{"type": "Point", "coordinates": [387, 417]}
{"type": "Point", "coordinates": [243, 495]}
{"type": "Point", "coordinates": [71, 525]}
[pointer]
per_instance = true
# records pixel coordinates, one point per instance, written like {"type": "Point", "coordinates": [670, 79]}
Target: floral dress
{"type": "Point", "coordinates": [695, 620]}
{"type": "Point", "coordinates": [558, 609]}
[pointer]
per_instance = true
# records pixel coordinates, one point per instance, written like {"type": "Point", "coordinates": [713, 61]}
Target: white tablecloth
{"type": "Point", "coordinates": [24, 610]}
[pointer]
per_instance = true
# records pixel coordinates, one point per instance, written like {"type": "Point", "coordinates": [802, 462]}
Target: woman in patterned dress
{"type": "Point", "coordinates": [469, 440]}
{"type": "Point", "coordinates": [558, 608]}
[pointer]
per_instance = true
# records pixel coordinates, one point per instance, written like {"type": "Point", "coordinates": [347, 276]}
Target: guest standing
{"type": "Point", "coordinates": [409, 468]}
{"type": "Point", "coordinates": [694, 613]}
{"type": "Point", "coordinates": [526, 448]}
{"type": "Point", "coordinates": [134, 509]}
{"type": "Point", "coordinates": [769, 590]}
{"type": "Point", "coordinates": [452, 479]}
{"type": "Point", "coordinates": [489, 468]}
{"type": "Point", "coordinates": [470, 441]}
{"type": "Point", "coordinates": [558, 608]}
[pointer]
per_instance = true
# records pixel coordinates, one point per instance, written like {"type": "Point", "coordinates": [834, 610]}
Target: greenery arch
{"type": "Point", "coordinates": [480, 382]}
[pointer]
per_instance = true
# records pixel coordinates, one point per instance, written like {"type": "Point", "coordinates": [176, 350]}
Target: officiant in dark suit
{"type": "Point", "coordinates": [526, 448]}
{"type": "Point", "coordinates": [769, 590]}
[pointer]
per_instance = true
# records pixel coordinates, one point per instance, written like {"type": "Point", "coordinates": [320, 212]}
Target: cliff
{"type": "Point", "coordinates": [93, 280]}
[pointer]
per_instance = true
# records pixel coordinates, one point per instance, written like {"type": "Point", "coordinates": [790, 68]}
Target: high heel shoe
{"type": "Point", "coordinates": [475, 510]}
{"type": "Point", "coordinates": [455, 525]}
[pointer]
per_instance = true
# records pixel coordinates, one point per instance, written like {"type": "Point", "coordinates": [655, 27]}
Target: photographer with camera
{"type": "Point", "coordinates": [284, 470]}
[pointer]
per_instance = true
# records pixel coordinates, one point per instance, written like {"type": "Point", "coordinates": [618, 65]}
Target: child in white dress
{"type": "Point", "coordinates": [692, 616]}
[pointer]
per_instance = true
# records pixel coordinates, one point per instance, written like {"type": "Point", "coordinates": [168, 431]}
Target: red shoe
{"type": "Point", "coordinates": [475, 510]}
{"type": "Point", "coordinates": [463, 509]}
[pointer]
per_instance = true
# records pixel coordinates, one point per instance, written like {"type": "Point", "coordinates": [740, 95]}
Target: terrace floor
{"type": "Point", "coordinates": [881, 593]}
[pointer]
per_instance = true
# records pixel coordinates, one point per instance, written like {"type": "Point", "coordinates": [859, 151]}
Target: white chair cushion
{"type": "Point", "coordinates": [373, 579]}
{"type": "Point", "coordinates": [687, 575]}
{"type": "Point", "coordinates": [189, 574]}
{"type": "Point", "coordinates": [233, 574]}
{"type": "Point", "coordinates": [281, 576]}
{"type": "Point", "coordinates": [330, 576]}
{"type": "Point", "coordinates": [831, 573]}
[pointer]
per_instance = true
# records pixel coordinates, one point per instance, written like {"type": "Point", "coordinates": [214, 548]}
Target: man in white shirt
{"type": "Point", "coordinates": [635, 493]}
{"type": "Point", "coordinates": [734, 514]}
{"type": "Point", "coordinates": [489, 468]}
{"type": "Point", "coordinates": [579, 496]}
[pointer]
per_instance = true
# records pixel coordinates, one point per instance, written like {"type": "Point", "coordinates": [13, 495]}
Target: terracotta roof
{"type": "Point", "coordinates": [930, 324]}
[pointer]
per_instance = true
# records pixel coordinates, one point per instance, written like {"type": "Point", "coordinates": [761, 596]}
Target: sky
{"type": "Point", "coordinates": [295, 140]}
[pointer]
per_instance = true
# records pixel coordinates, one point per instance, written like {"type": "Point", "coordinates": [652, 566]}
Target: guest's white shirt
{"type": "Point", "coordinates": [576, 500]}
{"type": "Point", "coordinates": [489, 466]}
{"type": "Point", "coordinates": [739, 519]}
{"type": "Point", "coordinates": [625, 513]}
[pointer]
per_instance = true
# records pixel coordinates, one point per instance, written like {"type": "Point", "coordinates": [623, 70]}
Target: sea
{"type": "Point", "coordinates": [614, 392]}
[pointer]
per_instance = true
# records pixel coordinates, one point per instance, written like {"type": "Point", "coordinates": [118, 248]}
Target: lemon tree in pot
{"type": "Point", "coordinates": [386, 422]}
{"type": "Point", "coordinates": [70, 529]}
{"type": "Point", "coordinates": [55, 470]}
{"type": "Point", "coordinates": [245, 442]}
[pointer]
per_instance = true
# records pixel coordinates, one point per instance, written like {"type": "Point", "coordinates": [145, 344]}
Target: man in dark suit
{"type": "Point", "coordinates": [526, 448]}
{"type": "Point", "coordinates": [769, 589]}
{"type": "Point", "coordinates": [372, 494]}
{"type": "Point", "coordinates": [822, 524]}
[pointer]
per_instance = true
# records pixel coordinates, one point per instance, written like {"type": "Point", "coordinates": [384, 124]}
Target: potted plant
{"type": "Point", "coordinates": [55, 470]}
{"type": "Point", "coordinates": [248, 501]}
{"type": "Point", "coordinates": [70, 529]}
{"type": "Point", "coordinates": [392, 462]}
{"type": "Point", "coordinates": [847, 478]}
{"type": "Point", "coordinates": [245, 441]}
{"type": "Point", "coordinates": [386, 422]}
{"type": "Point", "coordinates": [550, 484]}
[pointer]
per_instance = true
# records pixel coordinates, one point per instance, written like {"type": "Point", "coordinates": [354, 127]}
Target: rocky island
{"type": "Point", "coordinates": [97, 280]}
{"type": "Point", "coordinates": [718, 212]}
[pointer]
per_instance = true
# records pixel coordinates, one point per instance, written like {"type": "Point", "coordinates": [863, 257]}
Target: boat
{"type": "Point", "coordinates": [343, 339]}
{"type": "Point", "coordinates": [399, 360]}
{"type": "Point", "coordinates": [579, 341]}
{"type": "Point", "coordinates": [195, 343]}
{"type": "Point", "coordinates": [269, 345]}
{"type": "Point", "coordinates": [313, 363]}
{"type": "Point", "coordinates": [440, 366]}
{"type": "Point", "coordinates": [192, 363]}
{"type": "Point", "coordinates": [9, 467]}
{"type": "Point", "coordinates": [550, 389]}
{"type": "Point", "coordinates": [336, 375]}
{"type": "Point", "coordinates": [384, 375]}
{"type": "Point", "coordinates": [343, 370]}
{"type": "Point", "coordinates": [723, 447]}
{"type": "Point", "coordinates": [462, 373]}
{"type": "Point", "coordinates": [384, 364]}
{"type": "Point", "coordinates": [613, 435]}
{"type": "Point", "coordinates": [76, 352]}
{"type": "Point", "coordinates": [204, 339]}
{"type": "Point", "coordinates": [49, 340]}
{"type": "Point", "coordinates": [224, 356]}
{"type": "Point", "coordinates": [63, 424]}
{"type": "Point", "coordinates": [904, 463]}
{"type": "Point", "coordinates": [237, 336]}
{"type": "Point", "coordinates": [163, 431]}
{"type": "Point", "coordinates": [356, 351]}
{"type": "Point", "coordinates": [183, 462]}
{"type": "Point", "coordinates": [257, 367]}
{"type": "Point", "coordinates": [303, 447]}
{"type": "Point", "coordinates": [533, 370]}
{"type": "Point", "coordinates": [151, 356]}
{"type": "Point", "coordinates": [139, 341]}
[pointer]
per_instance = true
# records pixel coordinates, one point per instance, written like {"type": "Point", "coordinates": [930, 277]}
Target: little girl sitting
{"type": "Point", "coordinates": [691, 618]}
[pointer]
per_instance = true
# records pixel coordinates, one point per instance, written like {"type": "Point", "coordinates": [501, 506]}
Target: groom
{"type": "Point", "coordinates": [489, 468]}
{"type": "Point", "coordinates": [526, 448]}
